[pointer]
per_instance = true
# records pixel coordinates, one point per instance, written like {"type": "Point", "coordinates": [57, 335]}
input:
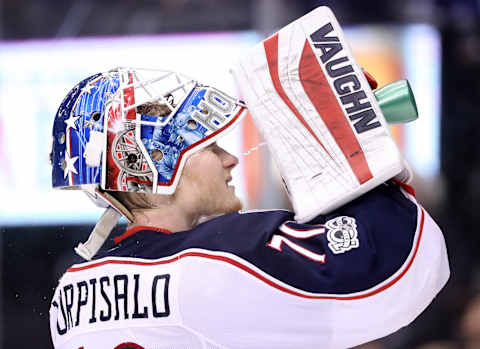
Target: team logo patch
{"type": "Point", "coordinates": [342, 234]}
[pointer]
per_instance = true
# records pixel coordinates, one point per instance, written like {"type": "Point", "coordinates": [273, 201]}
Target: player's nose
{"type": "Point", "coordinates": [229, 160]}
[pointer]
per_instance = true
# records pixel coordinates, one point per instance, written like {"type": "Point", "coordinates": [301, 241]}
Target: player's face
{"type": "Point", "coordinates": [205, 182]}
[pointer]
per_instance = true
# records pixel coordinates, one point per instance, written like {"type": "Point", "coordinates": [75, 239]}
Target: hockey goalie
{"type": "Point", "coordinates": [358, 258]}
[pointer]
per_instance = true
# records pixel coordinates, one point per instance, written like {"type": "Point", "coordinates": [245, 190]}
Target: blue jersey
{"type": "Point", "coordinates": [259, 280]}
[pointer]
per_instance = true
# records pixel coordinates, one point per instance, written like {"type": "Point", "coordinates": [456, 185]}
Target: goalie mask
{"type": "Point", "coordinates": [133, 129]}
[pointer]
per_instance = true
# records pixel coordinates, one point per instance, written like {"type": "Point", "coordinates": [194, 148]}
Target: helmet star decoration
{"type": "Point", "coordinates": [87, 89]}
{"type": "Point", "coordinates": [69, 165]}
{"type": "Point", "coordinates": [71, 122]}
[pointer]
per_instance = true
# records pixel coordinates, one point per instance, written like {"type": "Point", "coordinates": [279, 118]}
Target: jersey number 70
{"type": "Point", "coordinates": [277, 240]}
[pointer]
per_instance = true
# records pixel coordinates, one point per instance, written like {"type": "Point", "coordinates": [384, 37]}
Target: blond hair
{"type": "Point", "coordinates": [154, 108]}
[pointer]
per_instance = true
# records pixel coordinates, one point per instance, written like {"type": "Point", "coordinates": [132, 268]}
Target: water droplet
{"type": "Point", "coordinates": [255, 148]}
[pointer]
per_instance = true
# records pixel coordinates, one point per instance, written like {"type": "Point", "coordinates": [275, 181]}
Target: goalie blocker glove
{"type": "Point", "coordinates": [323, 125]}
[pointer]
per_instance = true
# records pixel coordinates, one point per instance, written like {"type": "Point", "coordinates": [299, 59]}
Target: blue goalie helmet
{"type": "Point", "coordinates": [133, 129]}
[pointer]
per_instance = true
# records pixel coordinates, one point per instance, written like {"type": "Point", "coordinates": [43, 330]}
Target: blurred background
{"type": "Point", "coordinates": [47, 46]}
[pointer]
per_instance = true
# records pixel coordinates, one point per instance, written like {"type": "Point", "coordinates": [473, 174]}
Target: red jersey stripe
{"type": "Point", "coordinates": [134, 230]}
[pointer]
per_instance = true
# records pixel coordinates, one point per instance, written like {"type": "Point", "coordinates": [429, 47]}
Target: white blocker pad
{"type": "Point", "coordinates": [311, 101]}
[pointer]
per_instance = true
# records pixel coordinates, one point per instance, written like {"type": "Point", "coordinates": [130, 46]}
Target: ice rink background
{"type": "Point", "coordinates": [46, 46]}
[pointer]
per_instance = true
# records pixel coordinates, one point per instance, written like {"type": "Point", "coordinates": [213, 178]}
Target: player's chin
{"type": "Point", "coordinates": [238, 205]}
{"type": "Point", "coordinates": [232, 204]}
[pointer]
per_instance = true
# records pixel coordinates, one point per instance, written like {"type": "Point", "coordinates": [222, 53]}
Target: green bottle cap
{"type": "Point", "coordinates": [397, 102]}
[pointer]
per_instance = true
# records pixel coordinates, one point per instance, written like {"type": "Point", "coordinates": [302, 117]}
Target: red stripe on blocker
{"type": "Point", "coordinates": [318, 89]}
{"type": "Point", "coordinates": [271, 51]}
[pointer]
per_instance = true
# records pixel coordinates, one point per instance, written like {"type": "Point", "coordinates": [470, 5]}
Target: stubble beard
{"type": "Point", "coordinates": [233, 205]}
{"type": "Point", "coordinates": [226, 203]}
{"type": "Point", "coordinates": [215, 197]}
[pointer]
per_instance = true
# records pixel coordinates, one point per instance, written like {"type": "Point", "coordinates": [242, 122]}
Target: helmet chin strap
{"type": "Point", "coordinates": [114, 211]}
{"type": "Point", "coordinates": [99, 234]}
